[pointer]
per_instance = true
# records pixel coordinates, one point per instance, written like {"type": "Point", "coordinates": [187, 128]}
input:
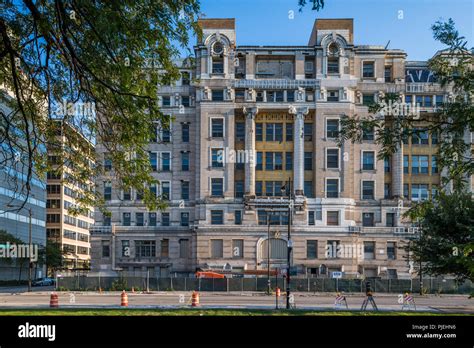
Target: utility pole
{"type": "Point", "coordinates": [290, 246]}
{"type": "Point", "coordinates": [268, 255]}
{"type": "Point", "coordinates": [30, 266]}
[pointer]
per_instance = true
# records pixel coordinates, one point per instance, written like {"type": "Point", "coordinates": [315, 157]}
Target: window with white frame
{"type": "Point", "coordinates": [368, 160]}
{"type": "Point", "coordinates": [332, 158]}
{"type": "Point", "coordinates": [332, 128]}
{"type": "Point", "coordinates": [217, 127]}
{"type": "Point", "coordinates": [368, 189]}
{"type": "Point", "coordinates": [332, 188]}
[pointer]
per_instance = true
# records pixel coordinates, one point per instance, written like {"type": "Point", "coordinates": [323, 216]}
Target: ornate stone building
{"type": "Point", "coordinates": [249, 122]}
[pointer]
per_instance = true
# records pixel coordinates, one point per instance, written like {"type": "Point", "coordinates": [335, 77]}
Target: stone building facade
{"type": "Point", "coordinates": [249, 122]}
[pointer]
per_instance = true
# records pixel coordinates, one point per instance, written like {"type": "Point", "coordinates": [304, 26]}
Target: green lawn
{"type": "Point", "coordinates": [200, 312]}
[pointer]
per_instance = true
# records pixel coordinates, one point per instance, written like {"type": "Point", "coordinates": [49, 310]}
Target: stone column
{"type": "Point", "coordinates": [298, 149]}
{"type": "Point", "coordinates": [250, 162]}
{"type": "Point", "coordinates": [397, 172]}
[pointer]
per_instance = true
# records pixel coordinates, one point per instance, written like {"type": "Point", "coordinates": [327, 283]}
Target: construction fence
{"type": "Point", "coordinates": [430, 285]}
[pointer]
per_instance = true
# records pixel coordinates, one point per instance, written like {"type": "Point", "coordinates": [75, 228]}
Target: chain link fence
{"type": "Point", "coordinates": [142, 283]}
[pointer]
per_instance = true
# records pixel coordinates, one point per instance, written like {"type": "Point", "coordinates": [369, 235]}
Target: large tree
{"type": "Point", "coordinates": [446, 242]}
{"type": "Point", "coordinates": [96, 65]}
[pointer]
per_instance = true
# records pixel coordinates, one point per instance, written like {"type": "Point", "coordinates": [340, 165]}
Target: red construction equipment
{"type": "Point", "coordinates": [195, 299]}
{"type": "Point", "coordinates": [209, 275]}
{"type": "Point", "coordinates": [54, 301]}
{"type": "Point", "coordinates": [124, 299]}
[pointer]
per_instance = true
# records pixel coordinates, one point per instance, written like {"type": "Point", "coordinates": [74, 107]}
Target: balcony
{"type": "Point", "coordinates": [423, 87]}
{"type": "Point", "coordinates": [276, 83]}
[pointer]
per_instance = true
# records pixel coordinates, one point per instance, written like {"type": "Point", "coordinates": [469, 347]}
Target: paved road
{"type": "Point", "coordinates": [24, 288]}
{"type": "Point", "coordinates": [40, 299]}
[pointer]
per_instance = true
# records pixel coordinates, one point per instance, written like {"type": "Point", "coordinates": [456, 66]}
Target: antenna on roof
{"type": "Point", "coordinates": [388, 43]}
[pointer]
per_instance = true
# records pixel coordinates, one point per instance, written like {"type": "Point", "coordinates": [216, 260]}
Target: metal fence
{"type": "Point", "coordinates": [430, 285]}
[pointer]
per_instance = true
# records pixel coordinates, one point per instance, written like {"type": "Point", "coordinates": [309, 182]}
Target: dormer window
{"type": "Point", "coordinates": [333, 59]}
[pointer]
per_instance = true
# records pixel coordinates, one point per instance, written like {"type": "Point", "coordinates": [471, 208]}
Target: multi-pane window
{"type": "Point", "coordinates": [388, 73]}
{"type": "Point", "coordinates": [239, 188]}
{"type": "Point", "coordinates": [390, 220]}
{"type": "Point", "coordinates": [145, 248]}
{"type": "Point", "coordinates": [434, 138]}
{"type": "Point", "coordinates": [368, 160]}
{"type": "Point", "coordinates": [434, 164]}
{"type": "Point", "coordinates": [332, 158]}
{"type": "Point", "coordinates": [105, 248]}
{"type": "Point", "coordinates": [420, 137]}
{"type": "Point", "coordinates": [406, 190]}
{"type": "Point", "coordinates": [368, 190]}
{"type": "Point", "coordinates": [332, 218]}
{"type": "Point", "coordinates": [151, 219]}
{"type": "Point", "coordinates": [185, 132]}
{"type": "Point", "coordinates": [387, 164]}
{"type": "Point", "coordinates": [312, 249]}
{"type": "Point", "coordinates": [238, 217]}
{"type": "Point", "coordinates": [107, 190]}
{"type": "Point", "coordinates": [419, 192]}
{"type": "Point", "coordinates": [153, 160]}
{"type": "Point", "coordinates": [308, 161]}
{"type": "Point", "coordinates": [274, 132]}
{"type": "Point", "coordinates": [259, 131]}
{"type": "Point", "coordinates": [332, 128]}
{"type": "Point", "coordinates": [217, 95]}
{"type": "Point", "coordinates": [368, 133]}
{"type": "Point", "coordinates": [217, 127]}
{"type": "Point", "coordinates": [387, 191]}
{"type": "Point", "coordinates": [217, 187]}
{"type": "Point", "coordinates": [269, 161]}
{"type": "Point", "coordinates": [367, 99]}
{"type": "Point", "coordinates": [185, 190]}
{"type": "Point", "coordinates": [405, 164]}
{"type": "Point", "coordinates": [368, 69]}
{"type": "Point", "coordinates": [369, 250]}
{"type": "Point", "coordinates": [185, 161]}
{"type": "Point", "coordinates": [391, 250]}
{"type": "Point", "coordinates": [258, 188]}
{"type": "Point", "coordinates": [333, 95]}
{"type": "Point", "coordinates": [165, 219]}
{"type": "Point", "coordinates": [308, 189]}
{"type": "Point", "coordinates": [332, 188]}
{"type": "Point", "coordinates": [289, 131]}
{"type": "Point", "coordinates": [259, 164]}
{"type": "Point", "coordinates": [217, 158]}
{"type": "Point", "coordinates": [217, 217]}
{"type": "Point", "coordinates": [217, 65]}
{"type": "Point", "coordinates": [289, 161]}
{"type": "Point", "coordinates": [240, 131]}
{"type": "Point", "coordinates": [165, 161]}
{"type": "Point", "coordinates": [139, 219]}
{"type": "Point", "coordinates": [185, 101]}
{"type": "Point", "coordinates": [126, 219]}
{"type": "Point", "coordinates": [184, 219]}
{"type": "Point", "coordinates": [166, 100]}
{"type": "Point", "coordinates": [311, 217]}
{"type": "Point", "coordinates": [107, 163]}
{"type": "Point", "coordinates": [278, 161]}
{"type": "Point", "coordinates": [419, 164]}
{"type": "Point", "coordinates": [333, 65]}
{"type": "Point", "coordinates": [368, 219]}
{"type": "Point", "coordinates": [165, 190]}
{"type": "Point", "coordinates": [308, 132]}
{"type": "Point", "coordinates": [273, 188]}
{"type": "Point", "coordinates": [53, 218]}
{"type": "Point", "coordinates": [439, 100]}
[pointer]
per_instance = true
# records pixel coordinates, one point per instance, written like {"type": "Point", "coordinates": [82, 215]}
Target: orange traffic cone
{"type": "Point", "coordinates": [195, 299]}
{"type": "Point", "coordinates": [124, 297]}
{"type": "Point", "coordinates": [278, 293]}
{"type": "Point", "coordinates": [54, 301]}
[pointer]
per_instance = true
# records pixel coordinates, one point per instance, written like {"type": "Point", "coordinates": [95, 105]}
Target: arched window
{"type": "Point", "coordinates": [278, 249]}
{"type": "Point", "coordinates": [217, 58]}
{"type": "Point", "coordinates": [333, 58]}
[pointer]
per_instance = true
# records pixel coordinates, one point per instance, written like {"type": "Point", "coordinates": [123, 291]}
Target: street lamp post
{"type": "Point", "coordinates": [290, 245]}
{"type": "Point", "coordinates": [268, 255]}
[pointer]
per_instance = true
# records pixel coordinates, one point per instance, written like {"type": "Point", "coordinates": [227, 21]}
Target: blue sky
{"type": "Point", "coordinates": [267, 22]}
